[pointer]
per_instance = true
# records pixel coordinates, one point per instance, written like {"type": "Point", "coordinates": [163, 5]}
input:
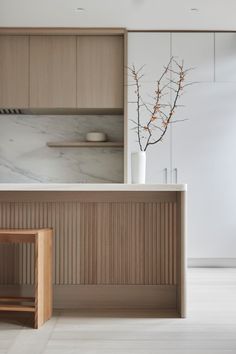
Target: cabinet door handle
{"type": "Point", "coordinates": [176, 174]}
{"type": "Point", "coordinates": [166, 175]}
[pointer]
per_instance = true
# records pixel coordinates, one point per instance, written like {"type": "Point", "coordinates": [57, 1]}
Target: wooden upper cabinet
{"type": "Point", "coordinates": [14, 71]}
{"type": "Point", "coordinates": [52, 71]}
{"type": "Point", "coordinates": [62, 71]}
{"type": "Point", "coordinates": [100, 71]}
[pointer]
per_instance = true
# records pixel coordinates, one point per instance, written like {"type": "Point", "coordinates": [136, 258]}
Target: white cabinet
{"type": "Point", "coordinates": [197, 51]}
{"type": "Point", "coordinates": [200, 151]}
{"type": "Point", "coordinates": [204, 151]}
{"type": "Point", "coordinates": [152, 49]}
{"type": "Point", "coordinates": [225, 57]}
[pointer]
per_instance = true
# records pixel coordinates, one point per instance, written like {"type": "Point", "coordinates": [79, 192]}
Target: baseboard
{"type": "Point", "coordinates": [160, 297]}
{"type": "Point", "coordinates": [212, 262]}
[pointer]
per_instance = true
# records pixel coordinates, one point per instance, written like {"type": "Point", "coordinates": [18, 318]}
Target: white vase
{"type": "Point", "coordinates": [138, 167]}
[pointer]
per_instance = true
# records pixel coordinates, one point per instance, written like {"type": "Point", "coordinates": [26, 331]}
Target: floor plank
{"type": "Point", "coordinates": [210, 327]}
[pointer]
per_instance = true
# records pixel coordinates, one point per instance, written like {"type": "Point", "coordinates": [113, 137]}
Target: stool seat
{"type": "Point", "coordinates": [41, 303]}
{"type": "Point", "coordinates": [21, 235]}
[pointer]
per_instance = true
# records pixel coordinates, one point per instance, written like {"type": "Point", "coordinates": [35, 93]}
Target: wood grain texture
{"type": "Point", "coordinates": [100, 71]}
{"type": "Point", "coordinates": [43, 277]}
{"type": "Point", "coordinates": [16, 299]}
{"type": "Point", "coordinates": [84, 144]}
{"type": "Point", "coordinates": [52, 71]}
{"type": "Point", "coordinates": [88, 196]}
{"type": "Point", "coordinates": [181, 251]}
{"type": "Point", "coordinates": [62, 71]}
{"type": "Point", "coordinates": [126, 107]}
{"type": "Point", "coordinates": [98, 242]}
{"type": "Point", "coordinates": [115, 297]}
{"type": "Point", "coordinates": [108, 31]}
{"type": "Point", "coordinates": [17, 308]}
{"type": "Point", "coordinates": [14, 71]}
{"type": "Point", "coordinates": [42, 241]}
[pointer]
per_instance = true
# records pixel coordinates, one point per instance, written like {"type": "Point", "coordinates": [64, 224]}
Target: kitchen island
{"type": "Point", "coordinates": [115, 245]}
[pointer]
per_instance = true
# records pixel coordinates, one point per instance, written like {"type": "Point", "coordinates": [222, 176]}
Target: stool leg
{"type": "Point", "coordinates": [36, 280]}
{"type": "Point", "coordinates": [43, 278]}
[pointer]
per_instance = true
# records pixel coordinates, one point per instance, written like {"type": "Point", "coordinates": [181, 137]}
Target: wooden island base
{"type": "Point", "coordinates": [112, 249]}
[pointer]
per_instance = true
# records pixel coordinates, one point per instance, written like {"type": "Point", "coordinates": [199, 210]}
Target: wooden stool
{"type": "Point", "coordinates": [41, 303]}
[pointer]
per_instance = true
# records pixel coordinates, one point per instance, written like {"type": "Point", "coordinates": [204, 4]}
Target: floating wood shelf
{"type": "Point", "coordinates": [85, 144]}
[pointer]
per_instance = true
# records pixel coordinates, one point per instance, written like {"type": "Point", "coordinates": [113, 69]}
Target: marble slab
{"type": "Point", "coordinates": [25, 158]}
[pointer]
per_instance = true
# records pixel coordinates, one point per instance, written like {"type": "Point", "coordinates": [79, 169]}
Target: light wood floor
{"type": "Point", "coordinates": [209, 329]}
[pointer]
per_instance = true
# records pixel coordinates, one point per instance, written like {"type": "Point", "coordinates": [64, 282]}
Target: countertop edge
{"type": "Point", "coordinates": [73, 187]}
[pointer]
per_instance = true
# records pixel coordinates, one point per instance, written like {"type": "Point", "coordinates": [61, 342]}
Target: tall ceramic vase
{"type": "Point", "coordinates": [138, 167]}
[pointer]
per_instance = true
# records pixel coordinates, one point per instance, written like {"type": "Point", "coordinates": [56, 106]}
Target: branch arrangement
{"type": "Point", "coordinates": [160, 113]}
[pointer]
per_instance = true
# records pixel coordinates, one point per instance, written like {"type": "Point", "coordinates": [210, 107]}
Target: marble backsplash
{"type": "Point", "coordinates": [25, 158]}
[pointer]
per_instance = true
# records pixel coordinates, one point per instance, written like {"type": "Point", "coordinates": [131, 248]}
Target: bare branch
{"type": "Point", "coordinates": [190, 84]}
{"type": "Point", "coordinates": [159, 112]}
{"type": "Point", "coordinates": [178, 120]}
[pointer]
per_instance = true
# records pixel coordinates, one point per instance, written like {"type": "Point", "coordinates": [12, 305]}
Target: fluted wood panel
{"type": "Point", "coordinates": [126, 242]}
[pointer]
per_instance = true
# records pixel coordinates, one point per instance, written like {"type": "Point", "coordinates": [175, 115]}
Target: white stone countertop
{"type": "Point", "coordinates": [90, 187]}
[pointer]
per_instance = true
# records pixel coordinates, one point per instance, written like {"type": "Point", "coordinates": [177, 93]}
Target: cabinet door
{"type": "Point", "coordinates": [225, 57]}
{"type": "Point", "coordinates": [197, 51]}
{"type": "Point", "coordinates": [52, 71]}
{"type": "Point", "coordinates": [100, 71]}
{"type": "Point", "coordinates": [204, 153]}
{"type": "Point", "coordinates": [14, 71]}
{"type": "Point", "coordinates": [153, 50]}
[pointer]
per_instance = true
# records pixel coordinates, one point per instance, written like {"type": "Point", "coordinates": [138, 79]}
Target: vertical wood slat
{"type": "Point", "coordinates": [95, 242]}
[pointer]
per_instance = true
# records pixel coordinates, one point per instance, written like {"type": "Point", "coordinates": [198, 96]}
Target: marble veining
{"type": "Point", "coordinates": [25, 158]}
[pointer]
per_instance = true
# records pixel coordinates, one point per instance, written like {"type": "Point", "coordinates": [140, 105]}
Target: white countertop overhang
{"type": "Point", "coordinates": [76, 187]}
